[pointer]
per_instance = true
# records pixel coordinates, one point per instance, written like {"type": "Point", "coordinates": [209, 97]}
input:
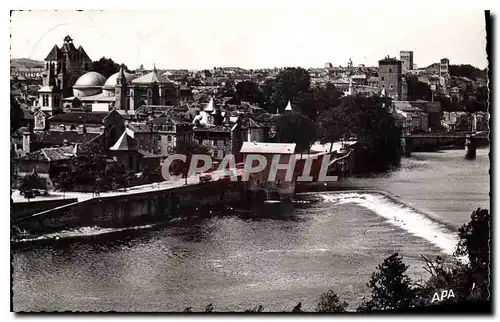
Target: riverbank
{"type": "Point", "coordinates": [152, 205]}
{"type": "Point", "coordinates": [236, 259]}
{"type": "Point", "coordinates": [228, 258]}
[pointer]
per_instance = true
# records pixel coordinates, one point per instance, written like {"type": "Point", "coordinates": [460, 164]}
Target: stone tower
{"type": "Point", "coordinates": [406, 58]}
{"type": "Point", "coordinates": [63, 66]}
{"type": "Point", "coordinates": [121, 102]}
{"type": "Point", "coordinates": [390, 77]}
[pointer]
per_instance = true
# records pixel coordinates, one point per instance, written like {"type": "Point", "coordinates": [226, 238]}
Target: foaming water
{"type": "Point", "coordinates": [82, 233]}
{"type": "Point", "coordinates": [400, 215]}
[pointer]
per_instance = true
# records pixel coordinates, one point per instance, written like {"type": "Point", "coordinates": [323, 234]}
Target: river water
{"type": "Point", "coordinates": [238, 261]}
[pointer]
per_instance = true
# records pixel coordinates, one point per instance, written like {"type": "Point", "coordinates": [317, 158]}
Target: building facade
{"type": "Point", "coordinates": [444, 67]}
{"type": "Point", "coordinates": [390, 77]}
{"type": "Point", "coordinates": [406, 58]}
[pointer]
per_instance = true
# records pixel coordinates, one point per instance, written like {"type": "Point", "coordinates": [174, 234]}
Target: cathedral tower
{"type": "Point", "coordinates": [121, 89]}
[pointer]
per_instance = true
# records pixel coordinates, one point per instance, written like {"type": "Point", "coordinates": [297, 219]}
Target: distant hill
{"type": "Point", "coordinates": [25, 63]}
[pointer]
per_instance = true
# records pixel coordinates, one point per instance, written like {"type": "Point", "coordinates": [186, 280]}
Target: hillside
{"type": "Point", "coordinates": [25, 63]}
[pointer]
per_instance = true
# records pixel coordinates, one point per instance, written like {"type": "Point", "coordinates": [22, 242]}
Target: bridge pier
{"type": "Point", "coordinates": [470, 147]}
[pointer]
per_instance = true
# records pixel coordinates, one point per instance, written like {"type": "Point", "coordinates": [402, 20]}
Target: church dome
{"type": "Point", "coordinates": [90, 79]}
{"type": "Point", "coordinates": [111, 81]}
{"type": "Point", "coordinates": [88, 84]}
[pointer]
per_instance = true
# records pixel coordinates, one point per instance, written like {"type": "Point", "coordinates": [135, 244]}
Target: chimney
{"type": "Point", "coordinates": [26, 142]}
{"type": "Point", "coordinates": [82, 129]}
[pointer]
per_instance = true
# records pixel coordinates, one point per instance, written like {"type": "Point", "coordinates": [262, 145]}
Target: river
{"type": "Point", "coordinates": [239, 260]}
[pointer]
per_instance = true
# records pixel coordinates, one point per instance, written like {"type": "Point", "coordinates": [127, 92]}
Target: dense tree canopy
{"type": "Point", "coordinates": [291, 84]}
{"type": "Point", "coordinates": [474, 242]}
{"type": "Point", "coordinates": [476, 99]}
{"type": "Point", "coordinates": [16, 114]}
{"type": "Point", "coordinates": [330, 302]}
{"type": "Point", "coordinates": [368, 120]}
{"type": "Point", "coordinates": [107, 67]}
{"type": "Point", "coordinates": [228, 89]}
{"type": "Point", "coordinates": [418, 90]}
{"type": "Point", "coordinates": [468, 71]}
{"type": "Point", "coordinates": [87, 168]}
{"type": "Point", "coordinates": [249, 91]}
{"type": "Point", "coordinates": [391, 288]}
{"type": "Point", "coordinates": [293, 127]}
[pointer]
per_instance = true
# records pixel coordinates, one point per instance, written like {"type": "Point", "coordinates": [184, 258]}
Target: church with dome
{"type": "Point", "coordinates": [69, 84]}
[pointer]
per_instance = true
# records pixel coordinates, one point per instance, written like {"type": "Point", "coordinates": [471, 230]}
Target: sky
{"type": "Point", "coordinates": [256, 37]}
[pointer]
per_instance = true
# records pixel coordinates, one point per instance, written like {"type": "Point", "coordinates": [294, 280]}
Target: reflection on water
{"type": "Point", "coordinates": [239, 259]}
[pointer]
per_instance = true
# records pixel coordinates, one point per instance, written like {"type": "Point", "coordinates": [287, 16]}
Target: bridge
{"type": "Point", "coordinates": [434, 141]}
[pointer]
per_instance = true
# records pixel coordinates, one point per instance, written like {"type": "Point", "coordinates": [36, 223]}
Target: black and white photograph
{"type": "Point", "coordinates": [260, 159]}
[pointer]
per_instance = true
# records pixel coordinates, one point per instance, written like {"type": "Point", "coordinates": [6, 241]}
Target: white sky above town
{"type": "Point", "coordinates": [256, 37]}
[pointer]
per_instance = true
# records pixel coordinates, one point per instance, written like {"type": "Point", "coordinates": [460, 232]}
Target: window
{"type": "Point", "coordinates": [383, 86]}
{"type": "Point", "coordinates": [45, 100]}
{"type": "Point", "coordinates": [169, 138]}
{"type": "Point", "coordinates": [392, 86]}
{"type": "Point", "coordinates": [390, 70]}
{"type": "Point", "coordinates": [382, 78]}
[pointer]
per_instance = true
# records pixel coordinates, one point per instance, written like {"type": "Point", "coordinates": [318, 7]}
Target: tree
{"type": "Point", "coordinates": [296, 128]}
{"type": "Point", "coordinates": [249, 91]}
{"type": "Point", "coordinates": [107, 67]}
{"type": "Point", "coordinates": [85, 168]}
{"type": "Point", "coordinates": [468, 71]}
{"type": "Point", "coordinates": [298, 308]}
{"type": "Point", "coordinates": [287, 86]}
{"type": "Point", "coordinates": [391, 288]}
{"type": "Point", "coordinates": [330, 302]}
{"type": "Point", "coordinates": [228, 90]}
{"type": "Point", "coordinates": [475, 99]}
{"type": "Point", "coordinates": [367, 120]}
{"type": "Point", "coordinates": [327, 97]}
{"type": "Point", "coordinates": [474, 242]}
{"type": "Point", "coordinates": [418, 90]}
{"type": "Point", "coordinates": [65, 182]}
{"type": "Point", "coordinates": [209, 308]}
{"type": "Point", "coordinates": [469, 280]}
{"type": "Point", "coordinates": [257, 309]}
{"type": "Point", "coordinates": [16, 114]}
{"type": "Point", "coordinates": [333, 125]}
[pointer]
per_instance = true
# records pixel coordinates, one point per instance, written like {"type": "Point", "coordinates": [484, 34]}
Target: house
{"type": "Point", "coordinates": [171, 129]}
{"type": "Point", "coordinates": [429, 113]}
{"type": "Point", "coordinates": [246, 129]}
{"type": "Point", "coordinates": [216, 138]}
{"type": "Point", "coordinates": [52, 139]}
{"type": "Point", "coordinates": [415, 119]}
{"type": "Point", "coordinates": [70, 121]}
{"type": "Point", "coordinates": [43, 162]}
{"type": "Point", "coordinates": [127, 154]}
{"type": "Point", "coordinates": [259, 184]}
{"type": "Point", "coordinates": [147, 139]}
